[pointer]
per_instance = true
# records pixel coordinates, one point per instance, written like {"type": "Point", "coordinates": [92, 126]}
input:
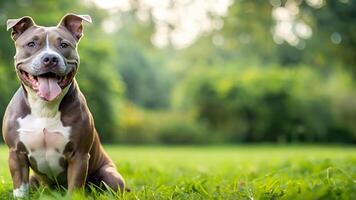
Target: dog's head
{"type": "Point", "coordinates": [46, 58]}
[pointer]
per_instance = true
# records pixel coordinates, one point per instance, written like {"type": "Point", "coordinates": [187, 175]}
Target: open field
{"type": "Point", "coordinates": [222, 172]}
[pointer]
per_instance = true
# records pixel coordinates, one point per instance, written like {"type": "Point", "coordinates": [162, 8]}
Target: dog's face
{"type": "Point", "coordinates": [46, 59]}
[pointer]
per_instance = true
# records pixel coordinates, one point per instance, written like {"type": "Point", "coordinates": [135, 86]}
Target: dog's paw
{"type": "Point", "coordinates": [22, 191]}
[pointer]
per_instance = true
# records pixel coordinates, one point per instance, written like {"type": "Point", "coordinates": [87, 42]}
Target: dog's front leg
{"type": "Point", "coordinates": [19, 169]}
{"type": "Point", "coordinates": [77, 171]}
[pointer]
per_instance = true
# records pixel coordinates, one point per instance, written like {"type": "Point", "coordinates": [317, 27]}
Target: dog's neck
{"type": "Point", "coordinates": [42, 108]}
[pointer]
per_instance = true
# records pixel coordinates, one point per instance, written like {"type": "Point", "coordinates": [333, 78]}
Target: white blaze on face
{"type": "Point", "coordinates": [22, 191]}
{"type": "Point", "coordinates": [49, 50]}
{"type": "Point", "coordinates": [47, 44]}
{"type": "Point", "coordinates": [36, 63]}
{"type": "Point", "coordinates": [48, 87]}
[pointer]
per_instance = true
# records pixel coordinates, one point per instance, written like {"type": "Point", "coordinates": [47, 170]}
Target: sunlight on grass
{"type": "Point", "coordinates": [223, 172]}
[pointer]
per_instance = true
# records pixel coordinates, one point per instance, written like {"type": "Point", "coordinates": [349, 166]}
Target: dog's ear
{"type": "Point", "coordinates": [73, 23]}
{"type": "Point", "coordinates": [19, 26]}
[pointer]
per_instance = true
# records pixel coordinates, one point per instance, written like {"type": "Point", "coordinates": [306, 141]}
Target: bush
{"type": "Point", "coordinates": [273, 104]}
{"type": "Point", "coordinates": [180, 130]}
{"type": "Point", "coordinates": [139, 126]}
{"type": "Point", "coordinates": [134, 126]}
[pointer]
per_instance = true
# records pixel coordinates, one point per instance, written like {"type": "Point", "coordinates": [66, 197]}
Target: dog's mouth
{"type": "Point", "coordinates": [48, 86]}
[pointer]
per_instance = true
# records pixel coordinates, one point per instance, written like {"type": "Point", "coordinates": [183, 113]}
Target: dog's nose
{"type": "Point", "coordinates": [50, 60]}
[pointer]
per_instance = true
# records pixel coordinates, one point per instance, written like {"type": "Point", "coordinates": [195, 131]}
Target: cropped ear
{"type": "Point", "coordinates": [73, 23]}
{"type": "Point", "coordinates": [19, 26]}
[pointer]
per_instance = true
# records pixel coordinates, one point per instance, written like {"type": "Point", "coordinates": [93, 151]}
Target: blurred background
{"type": "Point", "coordinates": [208, 71]}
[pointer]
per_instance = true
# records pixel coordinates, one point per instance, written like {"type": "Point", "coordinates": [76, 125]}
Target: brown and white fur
{"type": "Point", "coordinates": [47, 125]}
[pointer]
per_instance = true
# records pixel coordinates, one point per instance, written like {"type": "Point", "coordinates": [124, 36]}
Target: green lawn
{"type": "Point", "coordinates": [223, 172]}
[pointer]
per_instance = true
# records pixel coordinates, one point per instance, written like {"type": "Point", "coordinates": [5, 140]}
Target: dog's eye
{"type": "Point", "coordinates": [31, 44]}
{"type": "Point", "coordinates": [63, 45]}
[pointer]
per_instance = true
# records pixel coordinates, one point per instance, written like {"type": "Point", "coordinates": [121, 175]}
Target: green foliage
{"type": "Point", "coordinates": [139, 126]}
{"type": "Point", "coordinates": [141, 65]}
{"type": "Point", "coordinates": [225, 172]}
{"type": "Point", "coordinates": [139, 93]}
{"type": "Point", "coordinates": [145, 81]}
{"type": "Point", "coordinates": [272, 104]}
{"type": "Point", "coordinates": [181, 130]}
{"type": "Point", "coordinates": [101, 86]}
{"type": "Point", "coordinates": [135, 126]}
{"type": "Point", "coordinates": [330, 20]}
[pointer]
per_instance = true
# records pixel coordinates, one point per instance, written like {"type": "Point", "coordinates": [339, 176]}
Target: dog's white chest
{"type": "Point", "coordinates": [45, 139]}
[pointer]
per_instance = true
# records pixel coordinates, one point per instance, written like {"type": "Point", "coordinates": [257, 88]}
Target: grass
{"type": "Point", "coordinates": [222, 172]}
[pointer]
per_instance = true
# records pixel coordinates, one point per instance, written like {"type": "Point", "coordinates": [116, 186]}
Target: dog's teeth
{"type": "Point", "coordinates": [30, 76]}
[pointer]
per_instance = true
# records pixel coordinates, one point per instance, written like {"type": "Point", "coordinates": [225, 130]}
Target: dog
{"type": "Point", "coordinates": [47, 125]}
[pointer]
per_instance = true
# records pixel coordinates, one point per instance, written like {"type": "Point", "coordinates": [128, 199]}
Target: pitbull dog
{"type": "Point", "coordinates": [47, 124]}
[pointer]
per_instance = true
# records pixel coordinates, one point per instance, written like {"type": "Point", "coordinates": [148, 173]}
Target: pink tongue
{"type": "Point", "coordinates": [48, 88]}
